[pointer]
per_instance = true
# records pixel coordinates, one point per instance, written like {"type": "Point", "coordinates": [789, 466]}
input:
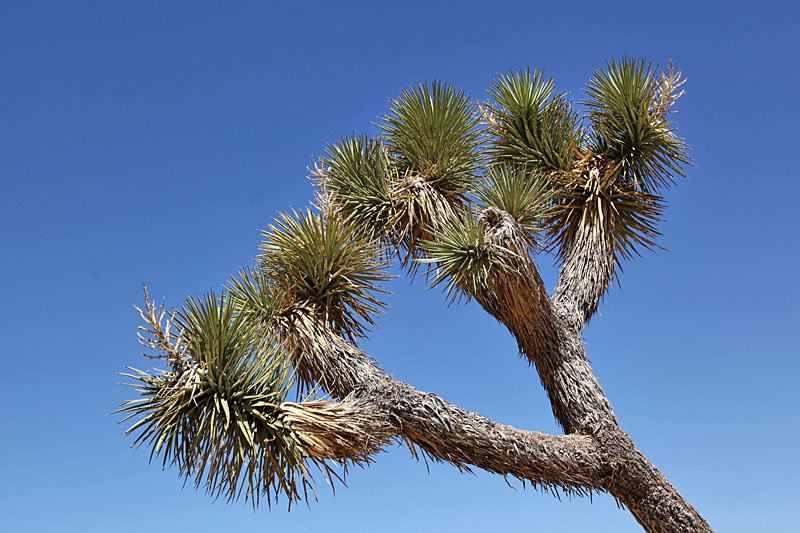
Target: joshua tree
{"type": "Point", "coordinates": [463, 194]}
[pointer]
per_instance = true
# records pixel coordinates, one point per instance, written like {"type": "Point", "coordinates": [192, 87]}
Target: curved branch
{"type": "Point", "coordinates": [604, 461]}
{"type": "Point", "coordinates": [548, 333]}
{"type": "Point", "coordinates": [579, 403]}
{"type": "Point", "coordinates": [584, 221]}
{"type": "Point", "coordinates": [443, 431]}
{"type": "Point", "coordinates": [517, 299]}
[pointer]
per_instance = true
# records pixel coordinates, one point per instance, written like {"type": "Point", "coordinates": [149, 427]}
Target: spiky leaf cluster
{"type": "Point", "coordinates": [359, 176]}
{"type": "Point", "coordinates": [628, 105]}
{"type": "Point", "coordinates": [215, 415]}
{"type": "Point", "coordinates": [602, 181]}
{"type": "Point", "coordinates": [432, 130]}
{"type": "Point", "coordinates": [327, 264]}
{"type": "Point", "coordinates": [219, 414]}
{"type": "Point", "coordinates": [591, 207]}
{"type": "Point", "coordinates": [524, 194]}
{"type": "Point", "coordinates": [461, 258]}
{"type": "Point", "coordinates": [530, 125]}
{"type": "Point", "coordinates": [253, 296]}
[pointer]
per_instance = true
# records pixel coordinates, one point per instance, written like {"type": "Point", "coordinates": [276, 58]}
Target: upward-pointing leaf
{"type": "Point", "coordinates": [628, 106]}
{"type": "Point", "coordinates": [433, 131]}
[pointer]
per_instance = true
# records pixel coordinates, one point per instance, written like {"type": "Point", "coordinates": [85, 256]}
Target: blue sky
{"type": "Point", "coordinates": [149, 142]}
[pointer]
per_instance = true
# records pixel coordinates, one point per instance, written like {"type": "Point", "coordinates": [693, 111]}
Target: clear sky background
{"type": "Point", "coordinates": [149, 142]}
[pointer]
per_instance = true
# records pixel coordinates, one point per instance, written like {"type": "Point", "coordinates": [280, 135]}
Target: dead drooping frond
{"type": "Point", "coordinates": [524, 194]}
{"type": "Point", "coordinates": [328, 265]}
{"type": "Point", "coordinates": [420, 209]}
{"type": "Point", "coordinates": [472, 205]}
{"type": "Point", "coordinates": [432, 130]}
{"type": "Point", "coordinates": [529, 125]}
{"type": "Point", "coordinates": [597, 220]}
{"type": "Point", "coordinates": [216, 415]}
{"type": "Point", "coordinates": [362, 185]}
{"type": "Point", "coordinates": [628, 106]}
{"type": "Point", "coordinates": [593, 201]}
{"type": "Point", "coordinates": [343, 430]}
{"type": "Point", "coordinates": [356, 178]}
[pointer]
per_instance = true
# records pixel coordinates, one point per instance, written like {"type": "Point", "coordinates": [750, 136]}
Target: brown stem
{"type": "Point", "coordinates": [654, 502]}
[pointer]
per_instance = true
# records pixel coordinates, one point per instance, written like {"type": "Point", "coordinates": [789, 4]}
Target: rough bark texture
{"type": "Point", "coordinates": [584, 278]}
{"type": "Point", "coordinates": [594, 216]}
{"type": "Point", "coordinates": [445, 432]}
{"type": "Point", "coordinates": [577, 398]}
{"type": "Point", "coordinates": [595, 453]}
{"type": "Point", "coordinates": [518, 299]}
{"type": "Point", "coordinates": [600, 456]}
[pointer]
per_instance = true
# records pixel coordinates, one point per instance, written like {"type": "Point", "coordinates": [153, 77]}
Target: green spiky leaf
{"type": "Point", "coordinates": [215, 414]}
{"type": "Point", "coordinates": [253, 297]}
{"type": "Point", "coordinates": [359, 174]}
{"type": "Point", "coordinates": [530, 125]}
{"type": "Point", "coordinates": [461, 258]}
{"type": "Point", "coordinates": [627, 104]}
{"type": "Point", "coordinates": [589, 208]}
{"type": "Point", "coordinates": [432, 129]}
{"type": "Point", "coordinates": [521, 193]}
{"type": "Point", "coordinates": [327, 264]}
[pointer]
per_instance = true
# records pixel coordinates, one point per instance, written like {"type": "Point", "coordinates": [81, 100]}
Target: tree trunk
{"type": "Point", "coordinates": [604, 459]}
{"type": "Point", "coordinates": [595, 454]}
{"type": "Point", "coordinates": [578, 401]}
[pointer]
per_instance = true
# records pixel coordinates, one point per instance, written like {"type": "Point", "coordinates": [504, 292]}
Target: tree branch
{"type": "Point", "coordinates": [585, 219]}
{"type": "Point", "coordinates": [443, 431]}
{"type": "Point", "coordinates": [579, 403]}
{"type": "Point", "coordinates": [517, 298]}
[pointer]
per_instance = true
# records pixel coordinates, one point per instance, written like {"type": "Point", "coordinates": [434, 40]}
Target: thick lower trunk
{"type": "Point", "coordinates": [644, 490]}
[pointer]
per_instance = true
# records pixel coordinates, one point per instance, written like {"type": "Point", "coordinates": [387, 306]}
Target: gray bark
{"type": "Point", "coordinates": [578, 401]}
{"type": "Point", "coordinates": [602, 459]}
{"type": "Point", "coordinates": [595, 453]}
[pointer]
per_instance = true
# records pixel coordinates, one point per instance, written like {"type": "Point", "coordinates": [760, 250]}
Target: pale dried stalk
{"type": "Point", "coordinates": [186, 373]}
{"type": "Point", "coordinates": [156, 336]}
{"type": "Point", "coordinates": [323, 196]}
{"type": "Point", "coordinates": [667, 93]}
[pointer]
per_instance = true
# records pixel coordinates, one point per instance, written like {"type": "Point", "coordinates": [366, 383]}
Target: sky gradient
{"type": "Point", "coordinates": [149, 142]}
